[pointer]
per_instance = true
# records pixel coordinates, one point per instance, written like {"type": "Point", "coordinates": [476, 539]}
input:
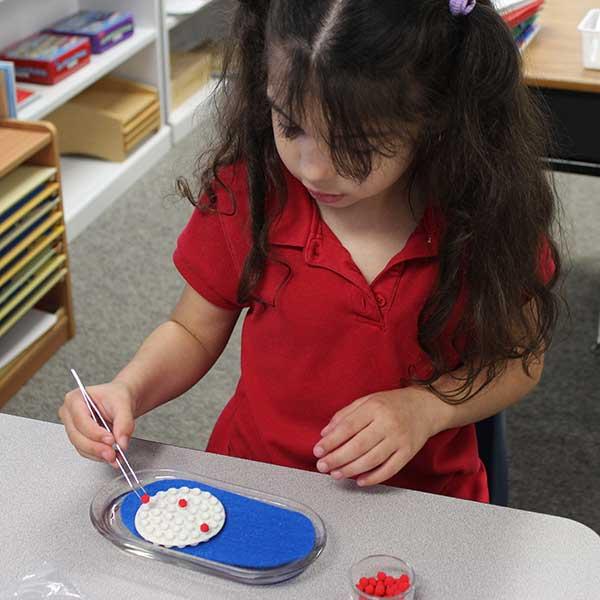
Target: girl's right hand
{"type": "Point", "coordinates": [117, 405]}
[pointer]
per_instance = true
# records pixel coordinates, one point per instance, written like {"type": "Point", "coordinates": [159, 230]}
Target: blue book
{"type": "Point", "coordinates": [8, 92]}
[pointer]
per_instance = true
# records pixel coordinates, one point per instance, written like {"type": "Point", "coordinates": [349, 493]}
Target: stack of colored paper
{"type": "Point", "coordinates": [32, 259]}
{"type": "Point", "coordinates": [522, 18]}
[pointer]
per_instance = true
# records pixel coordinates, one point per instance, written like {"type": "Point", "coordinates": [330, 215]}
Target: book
{"type": "Point", "coordinates": [504, 6]}
{"type": "Point", "coordinates": [514, 17]}
{"type": "Point", "coordinates": [8, 100]}
{"type": "Point", "coordinates": [530, 35]}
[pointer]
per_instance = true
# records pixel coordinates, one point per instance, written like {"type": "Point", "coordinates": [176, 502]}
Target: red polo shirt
{"type": "Point", "coordinates": [321, 337]}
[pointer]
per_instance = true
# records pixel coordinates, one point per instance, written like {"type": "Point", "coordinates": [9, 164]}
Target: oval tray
{"type": "Point", "coordinates": [107, 518]}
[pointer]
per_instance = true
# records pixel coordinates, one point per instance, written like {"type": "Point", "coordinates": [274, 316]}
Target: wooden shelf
{"type": "Point", "coordinates": [20, 370]}
{"type": "Point", "coordinates": [18, 145]}
{"type": "Point", "coordinates": [51, 97]}
{"type": "Point", "coordinates": [46, 286]}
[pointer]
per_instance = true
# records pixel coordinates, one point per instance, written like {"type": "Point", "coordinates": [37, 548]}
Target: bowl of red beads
{"type": "Point", "coordinates": [382, 576]}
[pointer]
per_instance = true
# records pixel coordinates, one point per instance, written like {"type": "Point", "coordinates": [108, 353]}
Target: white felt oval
{"type": "Point", "coordinates": [162, 521]}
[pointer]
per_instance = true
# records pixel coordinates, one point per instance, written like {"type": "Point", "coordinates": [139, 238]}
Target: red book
{"type": "Point", "coordinates": [514, 17]}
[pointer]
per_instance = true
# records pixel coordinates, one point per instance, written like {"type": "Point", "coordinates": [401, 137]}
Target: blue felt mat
{"type": "Point", "coordinates": [256, 535]}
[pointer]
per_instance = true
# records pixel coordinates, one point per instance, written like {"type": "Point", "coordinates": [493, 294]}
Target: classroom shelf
{"type": "Point", "coordinates": [185, 117]}
{"type": "Point", "coordinates": [18, 145]}
{"type": "Point", "coordinates": [90, 185]}
{"type": "Point", "coordinates": [182, 33]}
{"type": "Point", "coordinates": [34, 260]}
{"type": "Point", "coordinates": [175, 20]}
{"type": "Point", "coordinates": [100, 64]}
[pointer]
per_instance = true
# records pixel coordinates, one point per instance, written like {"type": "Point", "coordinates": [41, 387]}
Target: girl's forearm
{"type": "Point", "coordinates": [169, 362]}
{"type": "Point", "coordinates": [502, 392]}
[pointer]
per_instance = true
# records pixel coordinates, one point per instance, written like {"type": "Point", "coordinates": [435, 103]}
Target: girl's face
{"type": "Point", "coordinates": [308, 158]}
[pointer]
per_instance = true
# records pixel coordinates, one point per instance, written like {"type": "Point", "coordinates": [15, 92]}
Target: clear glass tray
{"type": "Point", "coordinates": [106, 518]}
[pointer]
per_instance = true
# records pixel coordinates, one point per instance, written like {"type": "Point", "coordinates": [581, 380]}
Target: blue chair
{"type": "Point", "coordinates": [491, 438]}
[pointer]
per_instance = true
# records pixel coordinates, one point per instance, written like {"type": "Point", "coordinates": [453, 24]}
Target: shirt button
{"type": "Point", "coordinates": [380, 300]}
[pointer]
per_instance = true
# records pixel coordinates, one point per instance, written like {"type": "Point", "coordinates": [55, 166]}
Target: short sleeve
{"type": "Point", "coordinates": [203, 257]}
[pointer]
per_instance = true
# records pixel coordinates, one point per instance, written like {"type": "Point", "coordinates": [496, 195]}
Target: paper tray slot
{"type": "Point", "coordinates": [27, 224]}
{"type": "Point", "coordinates": [26, 274]}
{"type": "Point", "coordinates": [53, 219]}
{"type": "Point", "coordinates": [47, 192]}
{"type": "Point", "coordinates": [32, 301]}
{"type": "Point", "coordinates": [44, 273]}
{"type": "Point", "coordinates": [16, 186]}
{"type": "Point", "coordinates": [34, 251]}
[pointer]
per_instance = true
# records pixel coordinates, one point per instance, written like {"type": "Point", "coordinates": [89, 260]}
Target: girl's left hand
{"type": "Point", "coordinates": [376, 435]}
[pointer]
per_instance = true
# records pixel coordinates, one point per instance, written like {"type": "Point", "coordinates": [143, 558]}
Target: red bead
{"type": "Point", "coordinates": [373, 581]}
{"type": "Point", "coordinates": [363, 583]}
{"type": "Point", "coordinates": [389, 581]}
{"type": "Point", "coordinates": [145, 499]}
{"type": "Point", "coordinates": [204, 527]}
{"type": "Point", "coordinates": [369, 589]}
{"type": "Point", "coordinates": [381, 576]}
{"type": "Point", "coordinates": [183, 503]}
{"type": "Point", "coordinates": [380, 589]}
{"type": "Point", "coordinates": [403, 583]}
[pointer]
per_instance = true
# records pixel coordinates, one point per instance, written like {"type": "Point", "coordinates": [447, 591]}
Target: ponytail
{"type": "Point", "coordinates": [499, 214]}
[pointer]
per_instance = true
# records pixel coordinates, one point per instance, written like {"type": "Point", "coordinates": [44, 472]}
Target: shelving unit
{"type": "Point", "coordinates": [88, 185]}
{"type": "Point", "coordinates": [183, 32]}
{"type": "Point", "coordinates": [172, 21]}
{"type": "Point", "coordinates": [91, 185]}
{"type": "Point", "coordinates": [34, 268]}
{"type": "Point", "coordinates": [100, 64]}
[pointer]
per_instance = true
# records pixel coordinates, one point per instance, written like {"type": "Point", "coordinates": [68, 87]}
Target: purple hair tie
{"type": "Point", "coordinates": [461, 7]}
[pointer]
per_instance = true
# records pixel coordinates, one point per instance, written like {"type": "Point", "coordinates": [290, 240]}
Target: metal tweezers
{"type": "Point", "coordinates": [97, 416]}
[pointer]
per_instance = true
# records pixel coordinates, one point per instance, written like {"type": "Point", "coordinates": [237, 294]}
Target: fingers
{"type": "Point", "coordinates": [383, 472]}
{"type": "Point", "coordinates": [123, 425]}
{"type": "Point", "coordinates": [358, 445]}
{"type": "Point", "coordinates": [82, 420]}
{"type": "Point", "coordinates": [343, 431]}
{"type": "Point", "coordinates": [369, 461]}
{"type": "Point", "coordinates": [342, 414]}
{"type": "Point", "coordinates": [85, 446]}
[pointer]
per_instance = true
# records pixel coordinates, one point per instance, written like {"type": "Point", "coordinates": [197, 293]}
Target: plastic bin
{"type": "Point", "coordinates": [590, 39]}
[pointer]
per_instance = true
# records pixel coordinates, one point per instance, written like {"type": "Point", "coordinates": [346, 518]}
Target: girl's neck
{"type": "Point", "coordinates": [385, 213]}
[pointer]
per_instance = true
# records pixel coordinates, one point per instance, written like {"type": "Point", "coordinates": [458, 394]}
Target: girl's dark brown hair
{"type": "Point", "coordinates": [388, 70]}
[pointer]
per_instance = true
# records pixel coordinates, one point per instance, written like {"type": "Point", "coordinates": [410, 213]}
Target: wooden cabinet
{"type": "Point", "coordinates": [34, 261]}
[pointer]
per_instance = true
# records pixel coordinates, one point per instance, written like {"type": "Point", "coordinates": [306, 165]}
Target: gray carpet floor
{"type": "Point", "coordinates": [124, 285]}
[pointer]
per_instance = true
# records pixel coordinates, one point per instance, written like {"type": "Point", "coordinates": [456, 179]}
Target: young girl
{"type": "Point", "coordinates": [377, 200]}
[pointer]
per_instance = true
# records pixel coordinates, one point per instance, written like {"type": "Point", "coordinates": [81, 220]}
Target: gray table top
{"type": "Point", "coordinates": [458, 549]}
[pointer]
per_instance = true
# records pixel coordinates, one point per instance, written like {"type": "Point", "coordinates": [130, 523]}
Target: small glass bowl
{"type": "Point", "coordinates": [371, 565]}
